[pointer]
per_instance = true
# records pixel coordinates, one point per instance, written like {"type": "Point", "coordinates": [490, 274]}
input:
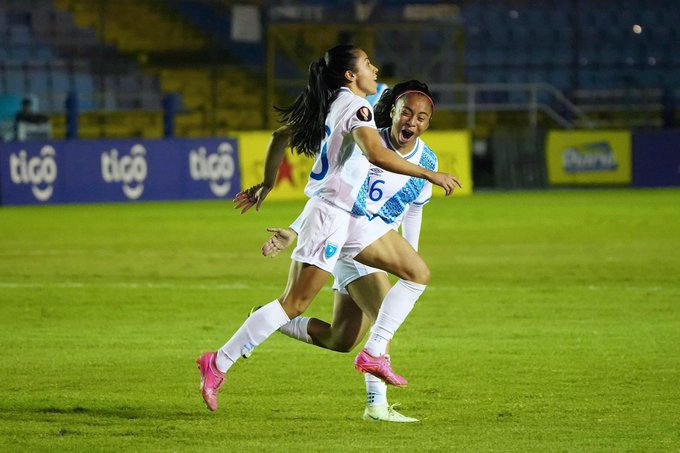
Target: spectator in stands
{"type": "Point", "coordinates": [27, 115]}
{"type": "Point", "coordinates": [28, 124]}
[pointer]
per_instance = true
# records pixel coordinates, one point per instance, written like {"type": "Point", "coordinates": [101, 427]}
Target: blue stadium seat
{"type": "Point", "coordinates": [60, 81]}
{"type": "Point", "coordinates": [83, 82]}
{"type": "Point", "coordinates": [38, 79]}
{"type": "Point", "coordinates": [19, 34]}
{"type": "Point", "coordinates": [560, 78]}
{"type": "Point", "coordinates": [18, 53]}
{"type": "Point", "coordinates": [14, 80]}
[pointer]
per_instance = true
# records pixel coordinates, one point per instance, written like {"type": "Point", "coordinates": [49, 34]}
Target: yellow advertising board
{"type": "Point", "coordinates": [293, 173]}
{"type": "Point", "coordinates": [589, 157]}
{"type": "Point", "coordinates": [452, 149]}
{"type": "Point", "coordinates": [454, 154]}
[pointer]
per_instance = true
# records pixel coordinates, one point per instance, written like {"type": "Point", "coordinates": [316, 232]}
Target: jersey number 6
{"type": "Point", "coordinates": [375, 193]}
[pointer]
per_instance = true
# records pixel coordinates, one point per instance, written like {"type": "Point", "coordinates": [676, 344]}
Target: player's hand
{"type": "Point", "coordinates": [445, 181]}
{"type": "Point", "coordinates": [283, 237]}
{"type": "Point", "coordinates": [253, 196]}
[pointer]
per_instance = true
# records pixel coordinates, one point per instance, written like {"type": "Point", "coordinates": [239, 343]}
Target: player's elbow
{"type": "Point", "coordinates": [283, 133]}
{"type": "Point", "coordinates": [376, 158]}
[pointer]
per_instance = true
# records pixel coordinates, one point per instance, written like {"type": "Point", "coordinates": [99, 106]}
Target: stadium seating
{"type": "Point", "coordinates": [598, 41]}
{"type": "Point", "coordinates": [115, 61]}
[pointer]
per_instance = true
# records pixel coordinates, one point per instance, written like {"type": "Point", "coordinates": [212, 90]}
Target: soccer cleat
{"type": "Point", "coordinates": [386, 413]}
{"type": "Point", "coordinates": [379, 367]}
{"type": "Point", "coordinates": [211, 379]}
{"type": "Point", "coordinates": [245, 353]}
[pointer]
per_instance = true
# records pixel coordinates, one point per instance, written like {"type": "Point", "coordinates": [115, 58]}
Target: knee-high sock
{"type": "Point", "coordinates": [257, 328]}
{"type": "Point", "coordinates": [297, 328]}
{"type": "Point", "coordinates": [396, 306]}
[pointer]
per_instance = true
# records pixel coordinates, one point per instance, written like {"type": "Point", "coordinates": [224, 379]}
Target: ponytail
{"type": "Point", "coordinates": [306, 117]}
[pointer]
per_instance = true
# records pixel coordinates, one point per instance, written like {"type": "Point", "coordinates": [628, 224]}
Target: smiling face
{"type": "Point", "coordinates": [410, 118]}
{"type": "Point", "coordinates": [363, 79]}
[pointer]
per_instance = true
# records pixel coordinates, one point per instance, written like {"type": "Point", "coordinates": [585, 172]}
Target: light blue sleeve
{"type": "Point", "coordinates": [373, 99]}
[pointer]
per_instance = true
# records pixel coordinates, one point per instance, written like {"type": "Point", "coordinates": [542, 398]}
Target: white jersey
{"type": "Point", "coordinates": [340, 167]}
{"type": "Point", "coordinates": [387, 195]}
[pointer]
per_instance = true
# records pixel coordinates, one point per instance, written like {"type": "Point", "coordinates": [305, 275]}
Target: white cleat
{"type": "Point", "coordinates": [386, 413]}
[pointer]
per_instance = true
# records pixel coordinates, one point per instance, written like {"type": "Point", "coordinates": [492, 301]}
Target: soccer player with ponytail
{"type": "Point", "coordinates": [402, 114]}
{"type": "Point", "coordinates": [326, 121]}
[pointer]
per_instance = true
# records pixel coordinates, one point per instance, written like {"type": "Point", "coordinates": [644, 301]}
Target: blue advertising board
{"type": "Point", "coordinates": [118, 170]}
{"type": "Point", "coordinates": [656, 159]}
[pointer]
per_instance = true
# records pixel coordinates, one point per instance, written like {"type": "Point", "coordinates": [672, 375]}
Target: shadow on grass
{"type": "Point", "coordinates": [122, 412]}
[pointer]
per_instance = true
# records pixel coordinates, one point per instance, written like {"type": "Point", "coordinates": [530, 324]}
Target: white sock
{"type": "Point", "coordinates": [376, 391]}
{"type": "Point", "coordinates": [297, 328]}
{"type": "Point", "coordinates": [396, 306]}
{"type": "Point", "coordinates": [257, 328]}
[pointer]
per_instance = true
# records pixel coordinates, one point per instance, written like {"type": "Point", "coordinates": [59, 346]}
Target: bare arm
{"type": "Point", "coordinates": [371, 145]}
{"type": "Point", "coordinates": [276, 150]}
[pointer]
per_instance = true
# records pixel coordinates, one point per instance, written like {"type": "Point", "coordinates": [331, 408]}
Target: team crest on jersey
{"type": "Point", "coordinates": [364, 114]}
{"type": "Point", "coordinates": [331, 249]}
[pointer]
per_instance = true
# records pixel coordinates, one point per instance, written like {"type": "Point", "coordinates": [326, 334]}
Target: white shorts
{"type": "Point", "coordinates": [327, 231]}
{"type": "Point", "coordinates": [347, 270]}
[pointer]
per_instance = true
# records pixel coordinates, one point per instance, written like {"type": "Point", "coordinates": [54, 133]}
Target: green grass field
{"type": "Point", "coordinates": [552, 324]}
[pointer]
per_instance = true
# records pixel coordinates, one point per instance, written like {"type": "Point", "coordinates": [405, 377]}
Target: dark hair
{"type": "Point", "coordinates": [306, 117]}
{"type": "Point", "coordinates": [389, 98]}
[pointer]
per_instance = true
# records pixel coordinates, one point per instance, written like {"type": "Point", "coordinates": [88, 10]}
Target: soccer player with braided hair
{"type": "Point", "coordinates": [332, 121]}
{"type": "Point", "coordinates": [402, 114]}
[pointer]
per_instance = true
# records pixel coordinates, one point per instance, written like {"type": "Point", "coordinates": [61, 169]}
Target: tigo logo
{"type": "Point", "coordinates": [39, 171]}
{"type": "Point", "coordinates": [589, 157]}
{"type": "Point", "coordinates": [218, 168]}
{"type": "Point", "coordinates": [131, 170]}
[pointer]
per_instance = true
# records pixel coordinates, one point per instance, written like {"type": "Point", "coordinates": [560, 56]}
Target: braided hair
{"type": "Point", "coordinates": [391, 95]}
{"type": "Point", "coordinates": [306, 117]}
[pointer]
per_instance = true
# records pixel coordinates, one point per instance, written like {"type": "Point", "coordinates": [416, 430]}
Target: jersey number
{"type": "Point", "coordinates": [374, 192]}
{"type": "Point", "coordinates": [324, 158]}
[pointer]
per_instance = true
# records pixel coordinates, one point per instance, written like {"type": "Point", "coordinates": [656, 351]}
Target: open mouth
{"type": "Point", "coordinates": [406, 134]}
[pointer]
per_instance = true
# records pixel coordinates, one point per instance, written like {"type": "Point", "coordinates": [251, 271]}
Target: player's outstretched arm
{"type": "Point", "coordinates": [283, 237]}
{"type": "Point", "coordinates": [255, 195]}
{"type": "Point", "coordinates": [371, 145]}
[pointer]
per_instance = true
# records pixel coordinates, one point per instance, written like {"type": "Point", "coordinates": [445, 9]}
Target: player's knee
{"type": "Point", "coordinates": [295, 305]}
{"type": "Point", "coordinates": [342, 345]}
{"type": "Point", "coordinates": [419, 273]}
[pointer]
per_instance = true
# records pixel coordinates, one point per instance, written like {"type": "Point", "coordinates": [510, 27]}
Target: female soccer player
{"type": "Point", "coordinates": [326, 121]}
{"type": "Point", "coordinates": [402, 114]}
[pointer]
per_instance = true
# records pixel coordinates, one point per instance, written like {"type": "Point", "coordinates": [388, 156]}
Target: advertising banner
{"type": "Point", "coordinates": [451, 147]}
{"type": "Point", "coordinates": [293, 173]}
{"type": "Point", "coordinates": [118, 170]}
{"type": "Point", "coordinates": [656, 159]}
{"type": "Point", "coordinates": [589, 157]}
{"type": "Point", "coordinates": [454, 154]}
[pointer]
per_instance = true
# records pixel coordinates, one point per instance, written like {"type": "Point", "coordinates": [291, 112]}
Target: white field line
{"type": "Point", "coordinates": [126, 285]}
{"type": "Point", "coordinates": [242, 286]}
{"type": "Point", "coordinates": [104, 253]}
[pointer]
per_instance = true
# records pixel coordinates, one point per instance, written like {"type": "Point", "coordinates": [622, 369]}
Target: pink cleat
{"type": "Point", "coordinates": [211, 379]}
{"type": "Point", "coordinates": [379, 367]}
